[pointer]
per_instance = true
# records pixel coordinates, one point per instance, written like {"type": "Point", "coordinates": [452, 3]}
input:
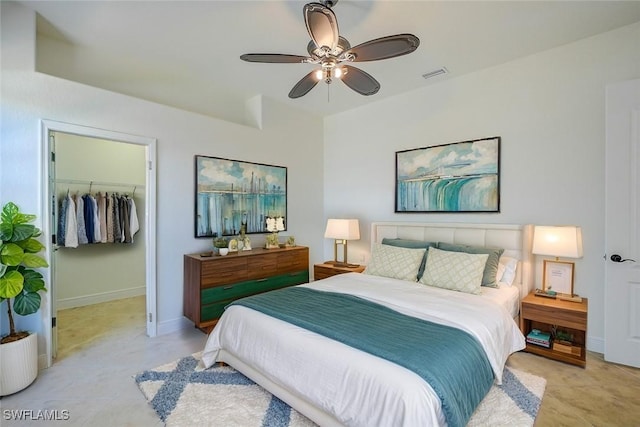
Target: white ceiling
{"type": "Point", "coordinates": [186, 54]}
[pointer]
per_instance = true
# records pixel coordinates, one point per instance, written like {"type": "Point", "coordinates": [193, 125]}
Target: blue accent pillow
{"type": "Point", "coordinates": [412, 244]}
{"type": "Point", "coordinates": [490, 269]}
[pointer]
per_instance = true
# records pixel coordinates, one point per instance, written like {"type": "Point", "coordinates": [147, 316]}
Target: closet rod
{"type": "Point", "coordinates": [100, 183]}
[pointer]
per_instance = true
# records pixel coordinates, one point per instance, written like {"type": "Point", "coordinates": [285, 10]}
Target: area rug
{"type": "Point", "coordinates": [183, 393]}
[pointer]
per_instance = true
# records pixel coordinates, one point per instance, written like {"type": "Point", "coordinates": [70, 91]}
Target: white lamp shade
{"type": "Point", "coordinates": [342, 229]}
{"type": "Point", "coordinates": [565, 241]}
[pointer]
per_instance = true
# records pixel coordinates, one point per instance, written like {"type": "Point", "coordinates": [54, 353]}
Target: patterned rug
{"type": "Point", "coordinates": [183, 393]}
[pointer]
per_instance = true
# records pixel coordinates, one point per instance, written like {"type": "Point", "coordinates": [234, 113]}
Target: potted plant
{"type": "Point", "coordinates": [20, 282]}
{"type": "Point", "coordinates": [222, 245]}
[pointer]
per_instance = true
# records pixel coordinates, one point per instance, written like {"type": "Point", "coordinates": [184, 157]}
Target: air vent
{"type": "Point", "coordinates": [435, 73]}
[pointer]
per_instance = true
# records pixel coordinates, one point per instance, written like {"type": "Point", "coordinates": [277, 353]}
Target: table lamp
{"type": "Point", "coordinates": [559, 242]}
{"type": "Point", "coordinates": [342, 230]}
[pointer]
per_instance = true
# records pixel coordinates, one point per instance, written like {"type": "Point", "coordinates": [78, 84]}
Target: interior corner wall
{"type": "Point", "coordinates": [28, 97]}
{"type": "Point", "coordinates": [549, 110]}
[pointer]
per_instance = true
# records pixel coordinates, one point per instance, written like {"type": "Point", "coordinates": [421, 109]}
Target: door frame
{"type": "Point", "coordinates": [149, 221]}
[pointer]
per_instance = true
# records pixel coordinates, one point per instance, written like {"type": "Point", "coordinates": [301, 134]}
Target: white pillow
{"type": "Point", "coordinates": [457, 271]}
{"type": "Point", "coordinates": [509, 266]}
{"type": "Point", "coordinates": [395, 262]}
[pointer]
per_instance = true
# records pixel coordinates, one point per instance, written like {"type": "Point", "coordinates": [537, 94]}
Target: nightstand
{"type": "Point", "coordinates": [322, 271]}
{"type": "Point", "coordinates": [567, 316]}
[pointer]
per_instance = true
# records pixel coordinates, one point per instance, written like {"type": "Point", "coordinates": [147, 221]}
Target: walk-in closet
{"type": "Point", "coordinates": [99, 271]}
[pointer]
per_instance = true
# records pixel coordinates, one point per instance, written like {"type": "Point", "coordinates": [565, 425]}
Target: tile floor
{"type": "Point", "coordinates": [101, 351]}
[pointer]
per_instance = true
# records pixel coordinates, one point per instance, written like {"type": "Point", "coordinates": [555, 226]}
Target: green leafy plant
{"type": "Point", "coordinates": [220, 242]}
{"type": "Point", "coordinates": [19, 249]}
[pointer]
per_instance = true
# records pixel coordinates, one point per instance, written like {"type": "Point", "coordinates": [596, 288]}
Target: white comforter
{"type": "Point", "coordinates": [357, 388]}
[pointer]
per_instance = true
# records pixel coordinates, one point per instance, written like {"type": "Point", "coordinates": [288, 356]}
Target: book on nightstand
{"type": "Point", "coordinates": [539, 338]}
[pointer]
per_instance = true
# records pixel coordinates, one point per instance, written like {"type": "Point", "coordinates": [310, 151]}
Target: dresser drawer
{"type": "Point", "coordinates": [293, 261]}
{"type": "Point", "coordinates": [212, 311]}
{"type": "Point", "coordinates": [219, 272]}
{"type": "Point", "coordinates": [236, 290]}
{"type": "Point", "coordinates": [264, 266]}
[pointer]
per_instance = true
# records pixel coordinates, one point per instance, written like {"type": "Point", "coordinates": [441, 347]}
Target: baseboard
{"type": "Point", "coordinates": [595, 344]}
{"type": "Point", "coordinates": [101, 297]}
{"type": "Point", "coordinates": [174, 325]}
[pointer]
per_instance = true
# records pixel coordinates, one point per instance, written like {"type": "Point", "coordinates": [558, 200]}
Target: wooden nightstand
{"type": "Point", "coordinates": [543, 313]}
{"type": "Point", "coordinates": [322, 271]}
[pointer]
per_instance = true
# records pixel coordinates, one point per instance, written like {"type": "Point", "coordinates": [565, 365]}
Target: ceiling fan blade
{"type": "Point", "coordinates": [273, 58]}
{"type": "Point", "coordinates": [322, 25]}
{"type": "Point", "coordinates": [385, 47]}
{"type": "Point", "coordinates": [303, 87]}
{"type": "Point", "coordinates": [360, 81]}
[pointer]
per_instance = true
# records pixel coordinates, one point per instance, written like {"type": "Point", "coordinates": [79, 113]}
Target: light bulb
{"type": "Point", "coordinates": [337, 73]}
{"type": "Point", "coordinates": [319, 74]}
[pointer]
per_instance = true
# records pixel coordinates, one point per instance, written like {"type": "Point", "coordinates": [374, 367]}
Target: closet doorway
{"type": "Point", "coordinates": [109, 267]}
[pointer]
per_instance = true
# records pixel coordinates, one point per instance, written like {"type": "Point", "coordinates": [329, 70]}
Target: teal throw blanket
{"type": "Point", "coordinates": [450, 360]}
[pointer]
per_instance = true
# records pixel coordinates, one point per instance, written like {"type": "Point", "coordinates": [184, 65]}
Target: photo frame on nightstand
{"type": "Point", "coordinates": [558, 276]}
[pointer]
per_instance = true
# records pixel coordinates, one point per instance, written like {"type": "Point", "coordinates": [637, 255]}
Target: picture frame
{"type": "Point", "coordinates": [558, 276]}
{"type": "Point", "coordinates": [457, 177]}
{"type": "Point", "coordinates": [234, 196]}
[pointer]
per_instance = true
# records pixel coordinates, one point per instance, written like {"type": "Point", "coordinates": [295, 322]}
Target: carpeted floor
{"type": "Point", "coordinates": [183, 393]}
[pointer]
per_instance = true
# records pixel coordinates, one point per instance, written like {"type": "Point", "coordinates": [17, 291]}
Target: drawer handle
{"type": "Point", "coordinates": [226, 288]}
{"type": "Point", "coordinates": [262, 280]}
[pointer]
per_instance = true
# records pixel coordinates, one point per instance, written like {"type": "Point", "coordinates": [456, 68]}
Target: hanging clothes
{"type": "Point", "coordinates": [71, 230]}
{"type": "Point", "coordinates": [102, 217]}
{"type": "Point", "coordinates": [82, 232]}
{"type": "Point", "coordinates": [62, 221]}
{"type": "Point", "coordinates": [135, 225]}
{"type": "Point", "coordinates": [110, 218]}
{"type": "Point", "coordinates": [89, 219]}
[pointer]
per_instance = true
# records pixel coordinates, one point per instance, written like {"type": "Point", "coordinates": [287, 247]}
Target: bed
{"type": "Point", "coordinates": [334, 383]}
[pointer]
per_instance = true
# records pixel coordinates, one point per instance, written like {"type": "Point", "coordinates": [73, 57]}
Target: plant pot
{"type": "Point", "coordinates": [223, 251]}
{"type": "Point", "coordinates": [18, 364]}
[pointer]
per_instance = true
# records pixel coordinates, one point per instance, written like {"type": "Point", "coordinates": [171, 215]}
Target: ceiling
{"type": "Point", "coordinates": [186, 54]}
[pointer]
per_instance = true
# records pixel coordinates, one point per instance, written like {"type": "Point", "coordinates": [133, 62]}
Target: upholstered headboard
{"type": "Point", "coordinates": [514, 239]}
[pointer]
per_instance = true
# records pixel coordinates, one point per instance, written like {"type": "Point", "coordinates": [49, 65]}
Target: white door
{"type": "Point", "coordinates": [622, 218]}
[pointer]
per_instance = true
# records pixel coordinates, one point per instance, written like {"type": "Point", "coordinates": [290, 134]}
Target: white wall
{"type": "Point", "coordinates": [94, 273]}
{"type": "Point", "coordinates": [549, 110]}
{"type": "Point", "coordinates": [287, 138]}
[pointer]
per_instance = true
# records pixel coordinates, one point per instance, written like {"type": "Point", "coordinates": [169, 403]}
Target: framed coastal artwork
{"type": "Point", "coordinates": [234, 196]}
{"type": "Point", "coordinates": [458, 177]}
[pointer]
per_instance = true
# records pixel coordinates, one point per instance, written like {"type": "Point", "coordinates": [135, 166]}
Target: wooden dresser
{"type": "Point", "coordinates": [210, 283]}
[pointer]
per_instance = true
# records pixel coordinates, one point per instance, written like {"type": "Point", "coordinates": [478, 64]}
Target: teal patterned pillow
{"type": "Point", "coordinates": [457, 271]}
{"type": "Point", "coordinates": [490, 269]}
{"type": "Point", "coordinates": [395, 262]}
{"type": "Point", "coordinates": [412, 244]}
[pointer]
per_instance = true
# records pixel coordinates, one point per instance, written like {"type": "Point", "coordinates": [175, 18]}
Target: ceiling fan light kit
{"type": "Point", "coordinates": [332, 53]}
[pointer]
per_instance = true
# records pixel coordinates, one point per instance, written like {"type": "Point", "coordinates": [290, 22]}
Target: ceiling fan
{"type": "Point", "coordinates": [331, 52]}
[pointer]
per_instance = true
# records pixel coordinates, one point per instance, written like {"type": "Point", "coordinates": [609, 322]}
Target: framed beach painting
{"type": "Point", "coordinates": [458, 177]}
{"type": "Point", "coordinates": [234, 196]}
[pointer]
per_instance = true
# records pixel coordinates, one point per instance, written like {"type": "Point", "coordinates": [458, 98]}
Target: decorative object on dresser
{"type": "Point", "coordinates": [274, 225]}
{"type": "Point", "coordinates": [342, 230]}
{"type": "Point", "coordinates": [458, 177]}
{"type": "Point", "coordinates": [234, 197]}
{"type": "Point", "coordinates": [210, 283]}
{"type": "Point", "coordinates": [558, 241]}
{"type": "Point", "coordinates": [220, 245]}
{"type": "Point", "coordinates": [328, 269]}
{"type": "Point", "coordinates": [565, 322]}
